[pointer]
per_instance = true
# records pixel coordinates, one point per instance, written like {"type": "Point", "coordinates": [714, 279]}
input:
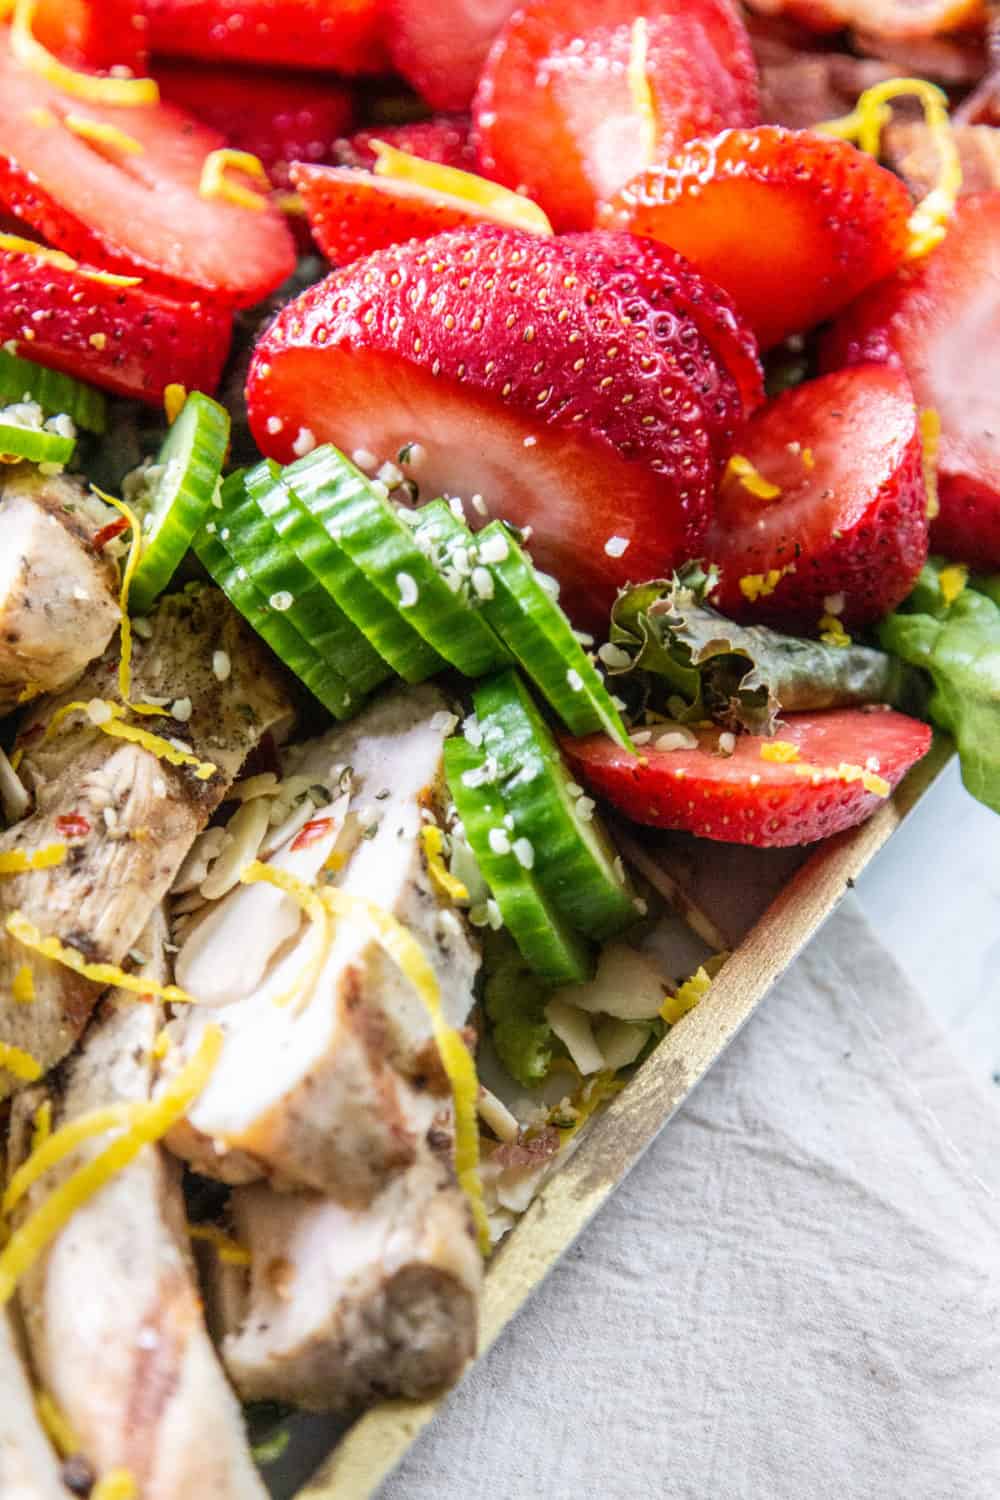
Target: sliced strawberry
{"type": "Point", "coordinates": [440, 48]}
{"type": "Point", "coordinates": [940, 319]}
{"type": "Point", "coordinates": [845, 761]}
{"type": "Point", "coordinates": [446, 139]}
{"type": "Point", "coordinates": [352, 213]}
{"type": "Point", "coordinates": [279, 116]}
{"type": "Point", "coordinates": [835, 221]}
{"type": "Point", "coordinates": [138, 212]}
{"type": "Point", "coordinates": [344, 36]}
{"type": "Point", "coordinates": [93, 34]}
{"type": "Point", "coordinates": [851, 519]}
{"type": "Point", "coordinates": [554, 111]}
{"type": "Point", "coordinates": [529, 375]}
{"type": "Point", "coordinates": [126, 339]}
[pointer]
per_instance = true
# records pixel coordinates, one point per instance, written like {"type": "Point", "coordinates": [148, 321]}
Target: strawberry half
{"type": "Point", "coordinates": [343, 36]}
{"type": "Point", "coordinates": [445, 139]}
{"type": "Point", "coordinates": [136, 211]}
{"type": "Point", "coordinates": [793, 225]}
{"type": "Point", "coordinates": [939, 318]}
{"type": "Point", "coordinates": [833, 770]}
{"type": "Point", "coordinates": [352, 213]}
{"type": "Point", "coordinates": [93, 34]}
{"type": "Point", "coordinates": [529, 375]}
{"type": "Point", "coordinates": [440, 48]}
{"type": "Point", "coordinates": [851, 517]}
{"type": "Point", "coordinates": [554, 111]}
{"type": "Point", "coordinates": [280, 117]}
{"type": "Point", "coordinates": [123, 338]}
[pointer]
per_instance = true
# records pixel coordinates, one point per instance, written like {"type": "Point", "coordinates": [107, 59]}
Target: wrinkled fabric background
{"type": "Point", "coordinates": [794, 1296]}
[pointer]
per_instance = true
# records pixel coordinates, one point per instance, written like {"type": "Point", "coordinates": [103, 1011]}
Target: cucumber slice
{"type": "Point", "coordinates": [35, 444]}
{"type": "Point", "coordinates": [529, 621]}
{"type": "Point", "coordinates": [299, 502]}
{"type": "Point", "coordinates": [22, 379]}
{"type": "Point", "coordinates": [548, 944]}
{"type": "Point", "coordinates": [178, 502]}
{"type": "Point", "coordinates": [274, 568]}
{"type": "Point", "coordinates": [271, 625]}
{"type": "Point", "coordinates": [370, 531]}
{"type": "Point", "coordinates": [574, 858]}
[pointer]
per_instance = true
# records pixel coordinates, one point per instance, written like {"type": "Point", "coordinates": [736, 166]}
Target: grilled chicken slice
{"type": "Point", "coordinates": [127, 817]}
{"type": "Point", "coordinates": [349, 1304]}
{"type": "Point", "coordinates": [29, 1469]}
{"type": "Point", "coordinates": [112, 1311]}
{"type": "Point", "coordinates": [308, 1093]}
{"type": "Point", "coordinates": [58, 593]}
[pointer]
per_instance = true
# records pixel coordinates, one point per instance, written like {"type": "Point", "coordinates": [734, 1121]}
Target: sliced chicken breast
{"type": "Point", "coordinates": [112, 1311]}
{"type": "Point", "coordinates": [58, 594]}
{"type": "Point", "coordinates": [126, 816]}
{"type": "Point", "coordinates": [308, 1093]}
{"type": "Point", "coordinates": [29, 1468]}
{"type": "Point", "coordinates": [349, 1304]}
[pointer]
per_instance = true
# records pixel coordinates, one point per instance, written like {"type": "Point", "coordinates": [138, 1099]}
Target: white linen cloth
{"type": "Point", "coordinates": [794, 1296]}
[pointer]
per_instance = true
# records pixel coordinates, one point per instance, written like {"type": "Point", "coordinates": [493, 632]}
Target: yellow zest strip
{"type": "Point", "coordinates": [27, 933]}
{"type": "Point", "coordinates": [128, 573]}
{"type": "Point", "coordinates": [780, 751]}
{"type": "Point", "coordinates": [174, 397]}
{"type": "Point", "coordinates": [750, 478]}
{"type": "Point", "coordinates": [639, 88]}
{"type": "Point", "coordinates": [42, 1126]}
{"type": "Point", "coordinates": [215, 184]}
{"type": "Point", "coordinates": [833, 632]}
{"type": "Point", "coordinates": [56, 1425]}
{"type": "Point", "coordinates": [928, 223]}
{"type": "Point", "coordinates": [687, 997]}
{"type": "Point", "coordinates": [291, 203]}
{"type": "Point", "coordinates": [598, 1088]}
{"type": "Point", "coordinates": [55, 1146]}
{"type": "Point", "coordinates": [16, 862]}
{"type": "Point", "coordinates": [408, 956]}
{"type": "Point", "coordinates": [441, 877]}
{"type": "Point", "coordinates": [20, 1063]}
{"type": "Point", "coordinates": [23, 987]}
{"type": "Point", "coordinates": [156, 745]}
{"type": "Point", "coordinates": [930, 438]}
{"type": "Point", "coordinates": [754, 586]}
{"type": "Point", "coordinates": [499, 202]}
{"type": "Point", "coordinates": [16, 244]}
{"type": "Point", "coordinates": [310, 901]}
{"type": "Point", "coordinates": [953, 580]}
{"type": "Point", "coordinates": [30, 53]}
{"type": "Point", "coordinates": [157, 1118]}
{"type": "Point", "coordinates": [161, 1044]}
{"type": "Point", "coordinates": [103, 135]}
{"type": "Point", "coordinates": [117, 1484]}
{"type": "Point", "coordinates": [229, 1251]}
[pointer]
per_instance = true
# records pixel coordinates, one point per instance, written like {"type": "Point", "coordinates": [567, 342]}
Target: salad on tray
{"type": "Point", "coordinates": [462, 463]}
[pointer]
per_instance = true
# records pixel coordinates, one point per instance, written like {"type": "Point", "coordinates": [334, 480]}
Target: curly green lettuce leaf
{"type": "Point", "coordinates": [515, 1000]}
{"type": "Point", "coordinates": [955, 637]}
{"type": "Point", "coordinates": [699, 665]}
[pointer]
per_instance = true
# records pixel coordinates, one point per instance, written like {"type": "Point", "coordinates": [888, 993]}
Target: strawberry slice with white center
{"type": "Point", "coordinates": [556, 110]}
{"type": "Point", "coordinates": [440, 48]}
{"type": "Point", "coordinates": [352, 213]}
{"type": "Point", "coordinates": [833, 504]}
{"type": "Point", "coordinates": [124, 338]}
{"type": "Point", "coordinates": [939, 318]}
{"type": "Point", "coordinates": [120, 187]}
{"type": "Point", "coordinates": [527, 379]}
{"type": "Point", "coordinates": [822, 773]}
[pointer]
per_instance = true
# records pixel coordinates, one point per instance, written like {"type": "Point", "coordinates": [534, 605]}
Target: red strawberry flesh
{"type": "Point", "coordinates": [792, 224]}
{"type": "Point", "coordinates": [524, 380]}
{"type": "Point", "coordinates": [554, 111]}
{"type": "Point", "coordinates": [744, 798]}
{"type": "Point", "coordinates": [345, 36]}
{"type": "Point", "coordinates": [137, 213]}
{"type": "Point", "coordinates": [125, 339]}
{"type": "Point", "coordinates": [440, 48]}
{"type": "Point", "coordinates": [939, 319]}
{"type": "Point", "coordinates": [851, 518]}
